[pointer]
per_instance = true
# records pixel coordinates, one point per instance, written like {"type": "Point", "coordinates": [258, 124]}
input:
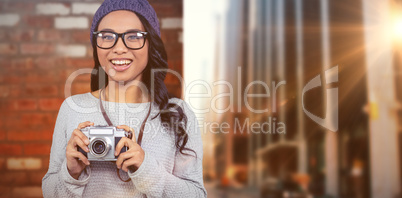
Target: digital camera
{"type": "Point", "coordinates": [103, 141]}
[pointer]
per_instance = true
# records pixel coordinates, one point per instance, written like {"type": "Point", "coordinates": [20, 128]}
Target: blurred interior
{"type": "Point", "coordinates": [356, 45]}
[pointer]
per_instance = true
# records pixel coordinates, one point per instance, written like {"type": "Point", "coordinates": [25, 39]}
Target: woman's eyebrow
{"type": "Point", "coordinates": [134, 30]}
{"type": "Point", "coordinates": [107, 30]}
{"type": "Point", "coordinates": [130, 30]}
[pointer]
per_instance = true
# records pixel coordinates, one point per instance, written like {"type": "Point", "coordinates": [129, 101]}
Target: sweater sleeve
{"type": "Point", "coordinates": [186, 180]}
{"type": "Point", "coordinates": [58, 182]}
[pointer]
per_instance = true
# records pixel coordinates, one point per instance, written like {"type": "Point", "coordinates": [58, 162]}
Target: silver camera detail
{"type": "Point", "coordinates": [102, 142]}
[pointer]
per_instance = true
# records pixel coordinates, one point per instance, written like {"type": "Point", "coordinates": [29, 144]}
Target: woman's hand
{"type": "Point", "coordinates": [76, 161]}
{"type": "Point", "coordinates": [133, 157]}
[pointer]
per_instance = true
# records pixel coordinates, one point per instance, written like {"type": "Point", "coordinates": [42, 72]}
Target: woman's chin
{"type": "Point", "coordinates": [125, 80]}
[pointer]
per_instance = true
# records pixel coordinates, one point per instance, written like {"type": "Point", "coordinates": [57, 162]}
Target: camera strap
{"type": "Point", "coordinates": [109, 123]}
{"type": "Point", "coordinates": [140, 134]}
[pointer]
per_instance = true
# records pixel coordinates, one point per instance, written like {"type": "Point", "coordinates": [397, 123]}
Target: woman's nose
{"type": "Point", "coordinates": [120, 47]}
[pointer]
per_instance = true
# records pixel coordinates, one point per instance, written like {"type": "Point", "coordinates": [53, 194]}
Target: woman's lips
{"type": "Point", "coordinates": [121, 64]}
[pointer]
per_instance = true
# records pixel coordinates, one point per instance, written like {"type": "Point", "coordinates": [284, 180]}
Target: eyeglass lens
{"type": "Point", "coordinates": [134, 40]}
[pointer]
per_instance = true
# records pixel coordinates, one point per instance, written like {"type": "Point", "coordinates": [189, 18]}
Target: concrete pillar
{"type": "Point", "coordinates": [384, 160]}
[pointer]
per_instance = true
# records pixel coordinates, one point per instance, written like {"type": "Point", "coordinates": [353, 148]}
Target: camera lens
{"type": "Point", "coordinates": [98, 147]}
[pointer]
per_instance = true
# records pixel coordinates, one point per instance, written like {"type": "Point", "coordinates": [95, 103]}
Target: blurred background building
{"type": "Point", "coordinates": [324, 119]}
{"type": "Point", "coordinates": [351, 50]}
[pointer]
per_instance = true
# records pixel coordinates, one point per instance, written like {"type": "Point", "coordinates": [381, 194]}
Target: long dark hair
{"type": "Point", "coordinates": [172, 115]}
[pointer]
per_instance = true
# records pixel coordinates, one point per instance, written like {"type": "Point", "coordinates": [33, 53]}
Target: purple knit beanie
{"type": "Point", "coordinates": [141, 7]}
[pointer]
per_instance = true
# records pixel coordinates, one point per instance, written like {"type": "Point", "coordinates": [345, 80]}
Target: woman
{"type": "Point", "coordinates": [127, 92]}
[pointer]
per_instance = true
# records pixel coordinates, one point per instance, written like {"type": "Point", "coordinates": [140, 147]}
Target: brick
{"type": "Point", "coordinates": [49, 35]}
{"type": "Point", "coordinates": [10, 78]}
{"type": "Point", "coordinates": [35, 178]}
{"type": "Point", "coordinates": [176, 65]}
{"type": "Point", "coordinates": [36, 48]}
{"type": "Point", "coordinates": [81, 36]}
{"type": "Point", "coordinates": [174, 89]}
{"type": "Point", "coordinates": [2, 164]}
{"type": "Point", "coordinates": [22, 64]}
{"type": "Point", "coordinates": [169, 36]}
{"type": "Point", "coordinates": [21, 7]}
{"type": "Point", "coordinates": [2, 35]}
{"type": "Point", "coordinates": [72, 50]}
{"type": "Point", "coordinates": [13, 118]}
{"type": "Point", "coordinates": [8, 49]}
{"type": "Point", "coordinates": [4, 91]}
{"type": "Point", "coordinates": [168, 9]}
{"type": "Point", "coordinates": [2, 133]}
{"type": "Point", "coordinates": [24, 104]}
{"type": "Point", "coordinates": [86, 78]}
{"type": "Point", "coordinates": [39, 21]}
{"type": "Point", "coordinates": [5, 191]}
{"type": "Point", "coordinates": [24, 135]}
{"type": "Point", "coordinates": [21, 35]}
{"type": "Point", "coordinates": [175, 51]}
{"type": "Point", "coordinates": [12, 65]}
{"type": "Point", "coordinates": [37, 119]}
{"type": "Point", "coordinates": [14, 178]}
{"type": "Point", "coordinates": [24, 163]}
{"type": "Point", "coordinates": [52, 9]}
{"type": "Point", "coordinates": [71, 23]}
{"type": "Point", "coordinates": [47, 76]}
{"type": "Point", "coordinates": [47, 134]}
{"type": "Point", "coordinates": [171, 79]}
{"type": "Point", "coordinates": [90, 51]}
{"type": "Point", "coordinates": [37, 149]}
{"type": "Point", "coordinates": [79, 62]}
{"type": "Point", "coordinates": [172, 23]}
{"type": "Point", "coordinates": [41, 90]}
{"type": "Point", "coordinates": [10, 90]}
{"type": "Point", "coordinates": [180, 37]}
{"type": "Point", "coordinates": [85, 8]}
{"type": "Point", "coordinates": [45, 162]}
{"type": "Point", "coordinates": [50, 104]}
{"type": "Point", "coordinates": [33, 191]}
{"type": "Point", "coordinates": [47, 63]}
{"type": "Point", "coordinates": [79, 88]}
{"type": "Point", "coordinates": [9, 19]}
{"type": "Point", "coordinates": [16, 91]}
{"type": "Point", "coordinates": [10, 149]}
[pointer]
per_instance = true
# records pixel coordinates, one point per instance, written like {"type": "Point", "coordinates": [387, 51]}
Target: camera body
{"type": "Point", "coordinates": [102, 142]}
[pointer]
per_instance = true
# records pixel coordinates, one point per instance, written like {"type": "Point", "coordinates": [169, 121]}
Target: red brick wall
{"type": "Point", "coordinates": [41, 44]}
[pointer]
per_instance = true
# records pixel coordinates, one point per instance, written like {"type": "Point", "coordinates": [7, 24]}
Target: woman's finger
{"type": "Point", "coordinates": [77, 155]}
{"type": "Point", "coordinates": [81, 135]}
{"type": "Point", "coordinates": [129, 162]}
{"type": "Point", "coordinates": [85, 124]}
{"type": "Point", "coordinates": [123, 157]}
{"type": "Point", "coordinates": [123, 142]}
{"type": "Point", "coordinates": [78, 141]}
{"type": "Point", "coordinates": [128, 129]}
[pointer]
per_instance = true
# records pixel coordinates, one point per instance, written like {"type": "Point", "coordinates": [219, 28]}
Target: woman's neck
{"type": "Point", "coordinates": [133, 92]}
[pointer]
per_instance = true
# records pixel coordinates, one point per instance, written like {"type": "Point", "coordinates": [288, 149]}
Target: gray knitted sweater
{"type": "Point", "coordinates": [164, 172]}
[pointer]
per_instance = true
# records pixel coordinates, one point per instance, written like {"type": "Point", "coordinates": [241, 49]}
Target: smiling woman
{"type": "Point", "coordinates": [127, 84]}
{"type": "Point", "coordinates": [124, 57]}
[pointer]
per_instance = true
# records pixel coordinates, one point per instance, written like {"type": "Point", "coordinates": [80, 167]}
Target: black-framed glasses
{"type": "Point", "coordinates": [132, 40]}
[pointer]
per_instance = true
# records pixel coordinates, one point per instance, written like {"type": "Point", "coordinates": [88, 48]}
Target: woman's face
{"type": "Point", "coordinates": [120, 63]}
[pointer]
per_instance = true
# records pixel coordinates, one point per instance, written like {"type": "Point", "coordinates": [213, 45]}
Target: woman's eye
{"type": "Point", "coordinates": [133, 37]}
{"type": "Point", "coordinates": [108, 37]}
